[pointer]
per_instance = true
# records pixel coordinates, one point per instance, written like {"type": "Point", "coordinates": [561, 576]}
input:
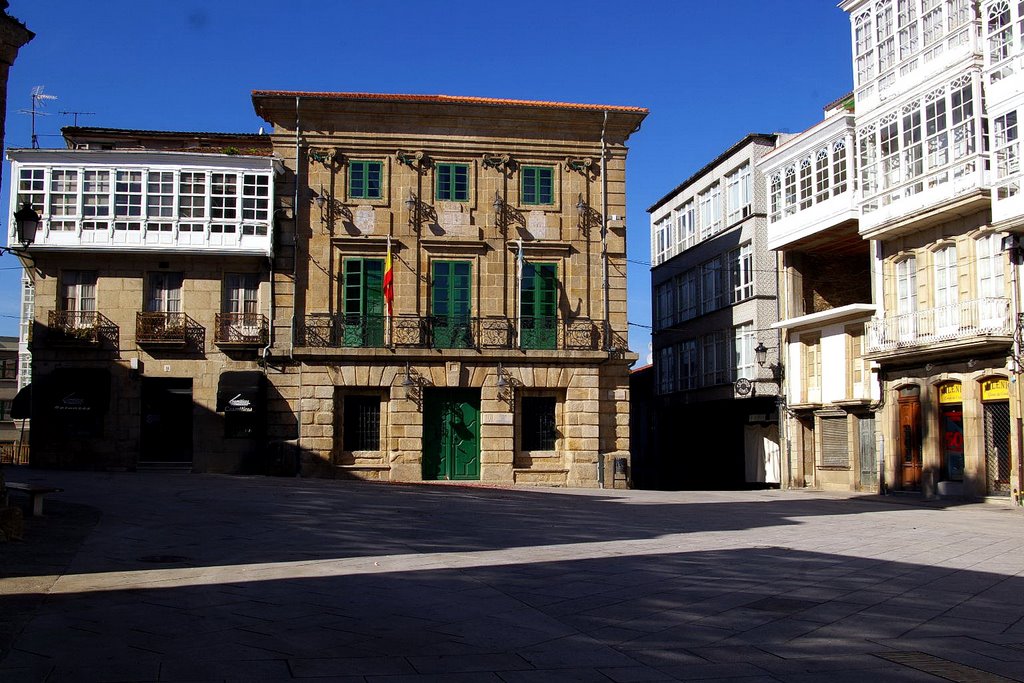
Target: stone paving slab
{"type": "Point", "coordinates": [163, 576]}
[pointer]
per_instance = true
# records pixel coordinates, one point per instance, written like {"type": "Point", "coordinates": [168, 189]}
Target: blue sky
{"type": "Point", "coordinates": [710, 72]}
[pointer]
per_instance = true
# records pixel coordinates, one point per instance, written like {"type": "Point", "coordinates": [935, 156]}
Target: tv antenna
{"type": "Point", "coordinates": [76, 114]}
{"type": "Point", "coordinates": [38, 100]}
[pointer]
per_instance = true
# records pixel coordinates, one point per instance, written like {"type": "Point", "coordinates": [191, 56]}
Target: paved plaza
{"type": "Point", "coordinates": [179, 577]}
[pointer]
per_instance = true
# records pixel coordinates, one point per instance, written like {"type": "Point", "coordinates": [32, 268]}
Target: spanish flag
{"type": "Point", "coordinates": [389, 281]}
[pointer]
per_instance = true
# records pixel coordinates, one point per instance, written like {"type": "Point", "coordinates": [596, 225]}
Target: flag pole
{"type": "Point", "coordinates": [519, 294]}
{"type": "Point", "coordinates": [389, 293]}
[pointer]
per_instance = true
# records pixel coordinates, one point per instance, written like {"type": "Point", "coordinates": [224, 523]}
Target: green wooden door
{"type": "Point", "coordinates": [538, 306]}
{"type": "Point", "coordinates": [451, 434]}
{"type": "Point", "coordinates": [450, 293]}
{"type": "Point", "coordinates": [364, 303]}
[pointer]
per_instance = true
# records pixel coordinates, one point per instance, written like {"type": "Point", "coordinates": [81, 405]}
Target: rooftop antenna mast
{"type": "Point", "coordinates": [76, 114]}
{"type": "Point", "coordinates": [38, 98]}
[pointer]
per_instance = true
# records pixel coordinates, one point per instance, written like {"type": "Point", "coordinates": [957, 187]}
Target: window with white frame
{"type": "Point", "coordinates": [164, 292]}
{"type": "Point", "coordinates": [78, 291]}
{"type": "Point", "coordinates": [947, 313]}
{"type": "Point", "coordinates": [864, 53]}
{"type": "Point", "coordinates": [95, 193]}
{"type": "Point", "coordinates": [999, 30]}
{"type": "Point", "coordinates": [128, 194]}
{"type": "Point", "coordinates": [738, 193]}
{"type": "Point", "coordinates": [661, 240]}
{"type": "Point", "coordinates": [913, 153]}
{"type": "Point", "coordinates": [821, 175]}
{"type": "Point", "coordinates": [223, 196]}
{"type": "Point", "coordinates": [710, 205]}
{"type": "Point", "coordinates": [686, 225]}
{"type": "Point", "coordinates": [192, 194]}
{"type": "Point", "coordinates": [710, 286]}
{"type": "Point", "coordinates": [932, 26]}
{"type": "Point", "coordinates": [885, 37]}
{"type": "Point", "coordinates": [255, 197]}
{"type": "Point", "coordinates": [160, 194]}
{"type": "Point", "coordinates": [988, 252]}
{"type": "Point", "coordinates": [775, 197]}
{"type": "Point", "coordinates": [906, 286]}
{"type": "Point", "coordinates": [1006, 146]}
{"type": "Point", "coordinates": [31, 188]}
{"type": "Point", "coordinates": [806, 183]}
{"type": "Point", "coordinates": [838, 167]}
{"type": "Point", "coordinates": [906, 19]}
{"type": "Point", "coordinates": [741, 272]}
{"type": "Point", "coordinates": [857, 367]}
{"type": "Point", "coordinates": [63, 192]}
{"type": "Point", "coordinates": [744, 350]}
{"type": "Point", "coordinates": [789, 187]}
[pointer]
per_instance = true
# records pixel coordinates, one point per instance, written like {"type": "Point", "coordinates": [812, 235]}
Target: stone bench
{"type": "Point", "coordinates": [35, 493]}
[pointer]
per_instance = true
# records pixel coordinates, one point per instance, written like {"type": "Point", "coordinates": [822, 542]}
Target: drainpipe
{"type": "Point", "coordinates": [604, 234]}
{"type": "Point", "coordinates": [295, 271]}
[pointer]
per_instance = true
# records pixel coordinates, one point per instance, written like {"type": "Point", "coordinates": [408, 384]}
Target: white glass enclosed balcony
{"type": "Point", "coordinates": [1003, 29]}
{"type": "Point", "coordinates": [810, 182]}
{"type": "Point", "coordinates": [149, 201]}
{"type": "Point", "coordinates": [924, 159]}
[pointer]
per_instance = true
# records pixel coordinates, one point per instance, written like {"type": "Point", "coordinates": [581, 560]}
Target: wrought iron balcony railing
{"type": "Point", "coordinates": [241, 329]}
{"type": "Point", "coordinates": [964, 320]}
{"type": "Point", "coordinates": [327, 330]}
{"type": "Point", "coordinates": [82, 327]}
{"type": "Point", "coordinates": [168, 329]}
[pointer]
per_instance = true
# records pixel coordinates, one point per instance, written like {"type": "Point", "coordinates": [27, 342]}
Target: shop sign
{"type": "Point", "coordinates": [995, 389]}
{"type": "Point", "coordinates": [951, 393]}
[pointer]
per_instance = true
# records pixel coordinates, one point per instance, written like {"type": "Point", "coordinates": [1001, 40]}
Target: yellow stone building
{"type": "Point", "coordinates": [504, 358]}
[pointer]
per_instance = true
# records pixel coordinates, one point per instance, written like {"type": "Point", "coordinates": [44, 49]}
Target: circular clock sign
{"type": "Point", "coordinates": [742, 386]}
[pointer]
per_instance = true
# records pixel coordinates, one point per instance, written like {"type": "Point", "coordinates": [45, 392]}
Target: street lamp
{"type": "Point", "coordinates": [761, 353]}
{"type": "Point", "coordinates": [26, 222]}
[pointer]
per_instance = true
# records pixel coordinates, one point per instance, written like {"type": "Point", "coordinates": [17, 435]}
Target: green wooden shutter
{"type": "Point", "coordinates": [538, 307]}
{"type": "Point", "coordinates": [451, 304]}
{"type": "Point", "coordinates": [364, 303]}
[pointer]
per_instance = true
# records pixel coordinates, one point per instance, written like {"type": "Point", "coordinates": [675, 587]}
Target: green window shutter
{"type": "Point", "coordinates": [452, 182]}
{"type": "Point", "coordinates": [364, 179]}
{"type": "Point", "coordinates": [538, 306]}
{"type": "Point", "coordinates": [364, 302]}
{"type": "Point", "coordinates": [537, 185]}
{"type": "Point", "coordinates": [451, 303]}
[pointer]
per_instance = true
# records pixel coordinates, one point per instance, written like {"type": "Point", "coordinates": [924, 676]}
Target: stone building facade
{"type": "Point", "coordinates": [504, 357]}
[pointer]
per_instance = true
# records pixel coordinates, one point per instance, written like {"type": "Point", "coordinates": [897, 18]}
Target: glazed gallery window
{"type": "Point", "coordinates": [452, 182]}
{"type": "Point", "coordinates": [537, 185]}
{"type": "Point", "coordinates": [96, 193]}
{"type": "Point", "coordinates": [744, 351]}
{"type": "Point", "coordinates": [31, 188]}
{"type": "Point", "coordinates": [160, 194]}
{"type": "Point", "coordinates": [1007, 149]}
{"type": "Point", "coordinates": [63, 192]}
{"type": "Point", "coordinates": [224, 196]}
{"type": "Point", "coordinates": [362, 423]}
{"type": "Point", "coordinates": [988, 252]}
{"type": "Point", "coordinates": [128, 194]}
{"type": "Point", "coordinates": [255, 197]}
{"type": "Point", "coordinates": [539, 423]}
{"type": "Point", "coordinates": [364, 179]}
{"type": "Point", "coordinates": [164, 292]}
{"type": "Point", "coordinates": [947, 314]}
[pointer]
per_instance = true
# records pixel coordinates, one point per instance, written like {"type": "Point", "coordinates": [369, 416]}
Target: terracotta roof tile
{"type": "Point", "coordinates": [445, 99]}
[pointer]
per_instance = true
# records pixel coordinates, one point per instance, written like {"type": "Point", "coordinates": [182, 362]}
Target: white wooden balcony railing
{"type": "Point", "coordinates": [965, 320]}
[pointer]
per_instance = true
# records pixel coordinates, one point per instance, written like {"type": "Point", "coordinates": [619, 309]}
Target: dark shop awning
{"type": "Point", "coordinates": [240, 392]}
{"type": "Point", "coordinates": [77, 392]}
{"type": "Point", "coordinates": [21, 406]}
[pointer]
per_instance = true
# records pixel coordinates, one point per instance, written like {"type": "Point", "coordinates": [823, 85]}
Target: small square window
{"type": "Point", "coordinates": [362, 423]}
{"type": "Point", "coordinates": [452, 182]}
{"type": "Point", "coordinates": [538, 185]}
{"type": "Point", "coordinates": [364, 179]}
{"type": "Point", "coordinates": [539, 427]}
